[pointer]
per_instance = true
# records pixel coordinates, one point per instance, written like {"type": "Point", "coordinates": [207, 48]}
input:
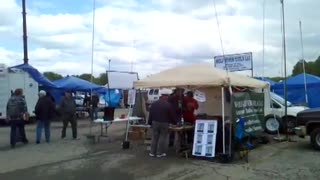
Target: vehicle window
{"type": "Point", "coordinates": [151, 92]}
{"type": "Point", "coordinates": [156, 91]}
{"type": "Point", "coordinates": [275, 105]}
{"type": "Point", "coordinates": [279, 99]}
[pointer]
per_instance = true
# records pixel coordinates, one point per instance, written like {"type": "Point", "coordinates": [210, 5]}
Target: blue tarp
{"type": "Point", "coordinates": [115, 96]}
{"type": "Point", "coordinates": [266, 80]}
{"type": "Point", "coordinates": [72, 83]}
{"type": "Point", "coordinates": [296, 89]}
{"type": "Point", "coordinates": [35, 74]}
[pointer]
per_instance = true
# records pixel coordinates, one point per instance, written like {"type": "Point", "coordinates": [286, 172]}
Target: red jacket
{"type": "Point", "coordinates": [190, 105]}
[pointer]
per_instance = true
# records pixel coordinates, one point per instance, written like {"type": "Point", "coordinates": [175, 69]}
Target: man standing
{"type": "Point", "coordinates": [161, 115]}
{"type": "Point", "coordinates": [68, 111]}
{"type": "Point", "coordinates": [95, 102]}
{"type": "Point", "coordinates": [44, 110]}
{"type": "Point", "coordinates": [17, 111]}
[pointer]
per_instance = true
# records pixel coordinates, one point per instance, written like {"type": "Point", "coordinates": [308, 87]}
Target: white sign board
{"type": "Point", "coordinates": [200, 96]}
{"type": "Point", "coordinates": [121, 80]}
{"type": "Point", "coordinates": [205, 135]}
{"type": "Point", "coordinates": [131, 96]}
{"type": "Point", "coordinates": [234, 62]}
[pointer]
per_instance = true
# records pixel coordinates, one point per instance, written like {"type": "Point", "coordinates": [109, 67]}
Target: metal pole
{"type": "Point", "coordinates": [263, 32]}
{"type": "Point", "coordinates": [285, 67]}
{"type": "Point", "coordinates": [303, 65]}
{"type": "Point", "coordinates": [25, 39]}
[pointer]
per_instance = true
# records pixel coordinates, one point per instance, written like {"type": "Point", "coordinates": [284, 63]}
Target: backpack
{"type": "Point", "coordinates": [14, 109]}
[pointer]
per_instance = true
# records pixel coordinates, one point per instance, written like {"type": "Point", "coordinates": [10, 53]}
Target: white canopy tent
{"type": "Point", "coordinates": [197, 75]}
{"type": "Point", "coordinates": [202, 76]}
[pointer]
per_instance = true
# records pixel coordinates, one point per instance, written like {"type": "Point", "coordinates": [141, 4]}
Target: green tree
{"type": "Point", "coordinates": [102, 79]}
{"type": "Point", "coordinates": [86, 77]}
{"type": "Point", "coordinates": [52, 76]}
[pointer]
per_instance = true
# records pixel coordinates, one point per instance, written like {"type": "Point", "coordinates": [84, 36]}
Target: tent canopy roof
{"type": "Point", "coordinates": [203, 74]}
{"type": "Point", "coordinates": [76, 84]}
{"type": "Point", "coordinates": [298, 81]}
{"type": "Point", "coordinates": [35, 74]}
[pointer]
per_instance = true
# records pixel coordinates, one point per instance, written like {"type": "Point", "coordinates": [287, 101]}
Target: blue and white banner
{"type": "Point", "coordinates": [234, 62]}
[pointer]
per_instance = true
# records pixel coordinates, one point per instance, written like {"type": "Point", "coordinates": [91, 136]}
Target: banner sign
{"type": "Point", "coordinates": [250, 106]}
{"type": "Point", "coordinates": [234, 62]}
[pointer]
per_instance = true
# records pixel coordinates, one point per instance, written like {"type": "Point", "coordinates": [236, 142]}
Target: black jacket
{"type": "Point", "coordinates": [45, 109]}
{"type": "Point", "coordinates": [161, 111]}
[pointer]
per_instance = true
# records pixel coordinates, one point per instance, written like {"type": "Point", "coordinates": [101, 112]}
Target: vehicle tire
{"type": "Point", "coordinates": [315, 138]}
{"type": "Point", "coordinates": [271, 124]}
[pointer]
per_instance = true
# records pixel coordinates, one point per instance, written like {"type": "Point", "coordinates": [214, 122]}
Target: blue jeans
{"type": "Point", "coordinates": [40, 126]}
{"type": "Point", "coordinates": [95, 113]}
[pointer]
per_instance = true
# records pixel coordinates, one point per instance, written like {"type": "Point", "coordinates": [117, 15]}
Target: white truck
{"type": "Point", "coordinates": [13, 79]}
{"type": "Point", "coordinates": [275, 113]}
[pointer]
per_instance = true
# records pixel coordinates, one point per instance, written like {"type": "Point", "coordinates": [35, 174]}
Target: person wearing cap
{"type": "Point", "coordinates": [68, 112]}
{"type": "Point", "coordinates": [160, 116]}
{"type": "Point", "coordinates": [44, 110]}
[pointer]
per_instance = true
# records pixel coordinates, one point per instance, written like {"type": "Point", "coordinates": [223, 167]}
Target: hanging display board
{"type": "Point", "coordinates": [250, 106]}
{"type": "Point", "coordinates": [121, 80]}
{"type": "Point", "coordinates": [131, 96]}
{"type": "Point", "coordinates": [205, 134]}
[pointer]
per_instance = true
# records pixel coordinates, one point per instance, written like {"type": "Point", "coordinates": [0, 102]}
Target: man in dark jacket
{"type": "Point", "coordinates": [44, 110]}
{"type": "Point", "coordinates": [16, 113]}
{"type": "Point", "coordinates": [160, 116]}
{"type": "Point", "coordinates": [68, 112]}
{"type": "Point", "coordinates": [95, 102]}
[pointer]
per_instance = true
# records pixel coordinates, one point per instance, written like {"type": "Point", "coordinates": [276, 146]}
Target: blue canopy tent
{"type": "Point", "coordinates": [266, 80]}
{"type": "Point", "coordinates": [75, 84]}
{"type": "Point", "coordinates": [72, 83]}
{"type": "Point", "coordinates": [35, 74]}
{"type": "Point", "coordinates": [296, 89]}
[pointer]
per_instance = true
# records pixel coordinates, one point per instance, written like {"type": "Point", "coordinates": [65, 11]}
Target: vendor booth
{"type": "Point", "coordinates": [217, 91]}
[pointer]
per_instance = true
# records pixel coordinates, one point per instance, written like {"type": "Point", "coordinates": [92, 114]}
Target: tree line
{"type": "Point", "coordinates": [100, 80]}
{"type": "Point", "coordinates": [311, 67]}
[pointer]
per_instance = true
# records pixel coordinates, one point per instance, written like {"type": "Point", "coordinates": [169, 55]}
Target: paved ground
{"type": "Point", "coordinates": [81, 160]}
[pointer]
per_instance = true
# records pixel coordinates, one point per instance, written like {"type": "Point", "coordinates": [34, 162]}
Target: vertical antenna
{"type": "Point", "coordinates": [285, 67]}
{"type": "Point", "coordinates": [263, 32]}
{"type": "Point", "coordinates": [92, 40]}
{"type": "Point", "coordinates": [24, 26]}
{"type": "Point", "coordinates": [303, 63]}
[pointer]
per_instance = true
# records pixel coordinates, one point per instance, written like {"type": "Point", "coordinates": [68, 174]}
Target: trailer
{"type": "Point", "coordinates": [11, 79]}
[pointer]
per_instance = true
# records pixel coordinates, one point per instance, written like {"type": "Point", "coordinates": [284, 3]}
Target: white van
{"type": "Point", "coordinates": [11, 80]}
{"type": "Point", "coordinates": [154, 94]}
{"type": "Point", "coordinates": [275, 113]}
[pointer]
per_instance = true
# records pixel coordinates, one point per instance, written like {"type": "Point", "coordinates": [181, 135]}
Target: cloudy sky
{"type": "Point", "coordinates": [148, 36]}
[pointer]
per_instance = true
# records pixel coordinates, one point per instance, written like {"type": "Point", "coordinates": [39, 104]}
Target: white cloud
{"type": "Point", "coordinates": [156, 36]}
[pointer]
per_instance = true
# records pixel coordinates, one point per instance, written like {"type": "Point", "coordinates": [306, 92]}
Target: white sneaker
{"type": "Point", "coordinates": [151, 155]}
{"type": "Point", "coordinates": [162, 155]}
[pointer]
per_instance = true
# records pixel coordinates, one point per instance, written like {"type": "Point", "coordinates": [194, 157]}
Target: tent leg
{"type": "Point", "coordinates": [223, 121]}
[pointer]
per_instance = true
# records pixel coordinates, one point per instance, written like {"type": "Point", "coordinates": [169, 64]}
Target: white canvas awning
{"type": "Point", "coordinates": [199, 75]}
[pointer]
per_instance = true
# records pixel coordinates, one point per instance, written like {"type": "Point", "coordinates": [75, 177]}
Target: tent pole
{"type": "Point", "coordinates": [223, 121]}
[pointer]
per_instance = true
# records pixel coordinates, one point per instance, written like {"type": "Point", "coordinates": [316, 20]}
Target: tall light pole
{"type": "Point", "coordinates": [109, 64]}
{"type": "Point", "coordinates": [24, 26]}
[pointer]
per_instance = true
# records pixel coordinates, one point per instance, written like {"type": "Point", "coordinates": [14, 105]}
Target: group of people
{"type": "Point", "coordinates": [45, 111]}
{"type": "Point", "coordinates": [171, 108]}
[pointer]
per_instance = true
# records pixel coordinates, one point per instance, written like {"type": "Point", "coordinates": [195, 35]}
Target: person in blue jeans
{"type": "Point", "coordinates": [44, 110]}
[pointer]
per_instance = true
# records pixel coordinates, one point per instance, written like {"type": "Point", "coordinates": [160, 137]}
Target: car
{"type": "Point", "coordinates": [308, 124]}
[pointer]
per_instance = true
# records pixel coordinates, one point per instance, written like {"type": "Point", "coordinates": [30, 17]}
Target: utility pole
{"type": "Point", "coordinates": [25, 40]}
